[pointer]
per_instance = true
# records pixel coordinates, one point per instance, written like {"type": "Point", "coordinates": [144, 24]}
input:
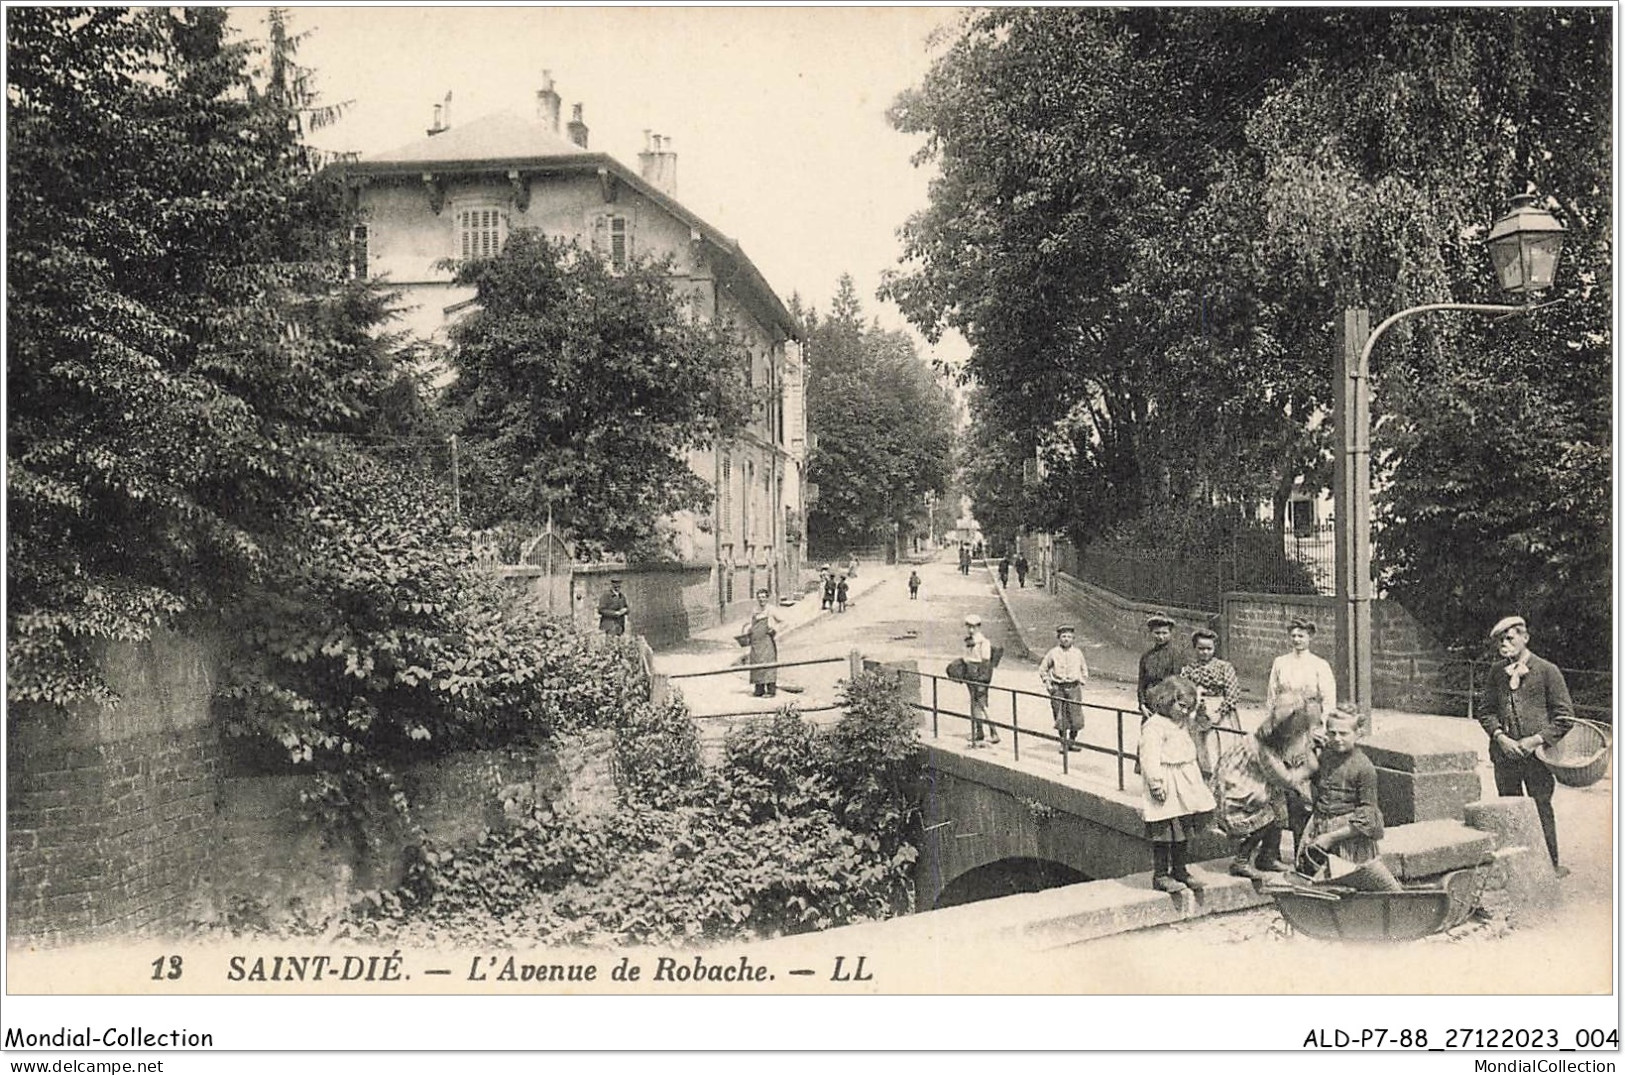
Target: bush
{"type": "Point", "coordinates": [379, 640]}
{"type": "Point", "coordinates": [797, 829]}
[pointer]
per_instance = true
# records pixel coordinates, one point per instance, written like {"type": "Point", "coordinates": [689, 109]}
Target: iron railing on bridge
{"type": "Point", "coordinates": [1120, 752]}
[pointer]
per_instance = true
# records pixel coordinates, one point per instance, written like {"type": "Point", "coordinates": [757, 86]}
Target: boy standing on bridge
{"type": "Point", "coordinates": [978, 660]}
{"type": "Point", "coordinates": [1063, 673]}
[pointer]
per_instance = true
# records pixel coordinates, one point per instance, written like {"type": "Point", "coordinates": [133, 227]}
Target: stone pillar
{"type": "Point", "coordinates": [1421, 776]}
{"type": "Point", "coordinates": [1522, 865]}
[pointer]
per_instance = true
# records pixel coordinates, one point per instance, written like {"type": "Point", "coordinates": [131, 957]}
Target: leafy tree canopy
{"type": "Point", "coordinates": [184, 342]}
{"type": "Point", "coordinates": [584, 389]}
{"type": "Point", "coordinates": [1147, 222]}
{"type": "Point", "coordinates": [884, 423]}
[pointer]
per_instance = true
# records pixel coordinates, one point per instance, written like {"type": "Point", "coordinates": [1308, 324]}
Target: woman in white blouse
{"type": "Point", "coordinates": [1310, 677]}
{"type": "Point", "coordinates": [1302, 672]}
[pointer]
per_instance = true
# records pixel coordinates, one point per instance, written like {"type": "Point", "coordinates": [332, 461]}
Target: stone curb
{"type": "Point", "coordinates": [1015, 623]}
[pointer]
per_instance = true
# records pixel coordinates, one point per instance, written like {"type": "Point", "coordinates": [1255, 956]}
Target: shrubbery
{"type": "Point", "coordinates": [798, 828]}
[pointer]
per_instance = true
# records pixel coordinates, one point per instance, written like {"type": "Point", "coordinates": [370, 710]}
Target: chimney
{"type": "Point", "coordinates": [658, 163]}
{"type": "Point", "coordinates": [547, 103]}
{"type": "Point", "coordinates": [578, 129]}
{"type": "Point", "coordinates": [442, 117]}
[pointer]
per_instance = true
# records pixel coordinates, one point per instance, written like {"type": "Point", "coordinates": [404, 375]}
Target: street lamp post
{"type": "Point", "coordinates": [1524, 246]}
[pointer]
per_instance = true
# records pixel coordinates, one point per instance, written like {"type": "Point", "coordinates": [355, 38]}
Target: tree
{"type": "Point", "coordinates": [885, 427]}
{"type": "Point", "coordinates": [184, 343]}
{"type": "Point", "coordinates": [1147, 222]}
{"type": "Point", "coordinates": [584, 389]}
{"type": "Point", "coordinates": [195, 383]}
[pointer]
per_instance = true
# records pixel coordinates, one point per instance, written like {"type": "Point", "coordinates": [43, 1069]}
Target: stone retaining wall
{"type": "Point", "coordinates": [110, 809]}
{"type": "Point", "coordinates": [1121, 619]}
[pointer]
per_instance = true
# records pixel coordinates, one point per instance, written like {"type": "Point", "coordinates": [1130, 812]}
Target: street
{"type": "Point", "coordinates": [883, 624]}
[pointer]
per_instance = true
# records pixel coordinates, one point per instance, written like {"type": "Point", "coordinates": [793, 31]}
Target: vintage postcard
{"type": "Point", "coordinates": [708, 515]}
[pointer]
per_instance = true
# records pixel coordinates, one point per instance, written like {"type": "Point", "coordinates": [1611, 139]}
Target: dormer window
{"type": "Point", "coordinates": [481, 231]}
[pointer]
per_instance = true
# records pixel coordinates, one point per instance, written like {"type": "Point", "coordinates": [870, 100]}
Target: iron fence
{"type": "Point", "coordinates": [1303, 563]}
{"type": "Point", "coordinates": [1192, 583]}
{"type": "Point", "coordinates": [1457, 688]}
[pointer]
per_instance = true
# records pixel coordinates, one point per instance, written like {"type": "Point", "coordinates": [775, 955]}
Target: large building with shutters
{"type": "Point", "coordinates": [458, 191]}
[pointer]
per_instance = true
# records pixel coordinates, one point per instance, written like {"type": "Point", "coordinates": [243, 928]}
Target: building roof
{"type": "Point", "coordinates": [505, 142]}
{"type": "Point", "coordinates": [499, 137]}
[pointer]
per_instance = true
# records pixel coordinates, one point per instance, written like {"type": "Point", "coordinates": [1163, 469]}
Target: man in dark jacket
{"type": "Point", "coordinates": [613, 610]}
{"type": "Point", "coordinates": [1526, 704]}
{"type": "Point", "coordinates": [1157, 663]}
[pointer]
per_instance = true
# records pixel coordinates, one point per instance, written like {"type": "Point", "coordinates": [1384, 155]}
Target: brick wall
{"type": "Point", "coordinates": [669, 601]}
{"type": "Point", "coordinates": [110, 810]}
{"type": "Point", "coordinates": [1408, 665]}
{"type": "Point", "coordinates": [1254, 630]}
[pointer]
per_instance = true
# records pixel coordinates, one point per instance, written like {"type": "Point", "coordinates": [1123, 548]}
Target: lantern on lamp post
{"type": "Point", "coordinates": [1524, 246]}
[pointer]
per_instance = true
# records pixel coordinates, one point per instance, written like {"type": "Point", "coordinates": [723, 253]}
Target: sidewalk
{"type": "Point", "coordinates": [792, 617]}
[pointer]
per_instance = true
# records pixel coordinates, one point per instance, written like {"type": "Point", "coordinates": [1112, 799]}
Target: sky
{"type": "Point", "coordinates": [777, 115]}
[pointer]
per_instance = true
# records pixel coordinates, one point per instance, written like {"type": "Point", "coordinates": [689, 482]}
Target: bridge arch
{"type": "Point", "coordinates": [1007, 877]}
{"type": "Point", "coordinates": [980, 812]}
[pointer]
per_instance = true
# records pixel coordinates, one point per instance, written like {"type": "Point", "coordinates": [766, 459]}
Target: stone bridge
{"type": "Point", "coordinates": [995, 826]}
{"type": "Point", "coordinates": [992, 829]}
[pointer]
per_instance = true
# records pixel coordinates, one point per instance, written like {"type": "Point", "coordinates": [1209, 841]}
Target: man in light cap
{"type": "Point", "coordinates": [978, 674]}
{"type": "Point", "coordinates": [1526, 704]}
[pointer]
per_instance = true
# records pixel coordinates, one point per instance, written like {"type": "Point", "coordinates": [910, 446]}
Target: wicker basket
{"type": "Point", "coordinates": [1581, 757]}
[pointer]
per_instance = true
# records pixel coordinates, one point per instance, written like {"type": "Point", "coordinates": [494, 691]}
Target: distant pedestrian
{"type": "Point", "coordinates": [978, 662]}
{"type": "Point", "coordinates": [1217, 689]}
{"type": "Point", "coordinates": [964, 559]}
{"type": "Point", "coordinates": [1021, 570]}
{"type": "Point", "coordinates": [1063, 672]}
{"type": "Point", "coordinates": [852, 567]}
{"type": "Point", "coordinates": [1004, 571]}
{"type": "Point", "coordinates": [840, 594]}
{"type": "Point", "coordinates": [913, 585]}
{"type": "Point", "coordinates": [761, 634]}
{"type": "Point", "coordinates": [1176, 800]}
{"type": "Point", "coordinates": [613, 610]}
{"type": "Point", "coordinates": [1526, 704]}
{"type": "Point", "coordinates": [829, 591]}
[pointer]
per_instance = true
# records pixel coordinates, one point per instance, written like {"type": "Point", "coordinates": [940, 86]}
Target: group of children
{"type": "Point", "coordinates": [834, 589]}
{"type": "Point", "coordinates": [1297, 749]}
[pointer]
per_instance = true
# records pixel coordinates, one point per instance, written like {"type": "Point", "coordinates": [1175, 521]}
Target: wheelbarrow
{"type": "Point", "coordinates": [1340, 912]}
